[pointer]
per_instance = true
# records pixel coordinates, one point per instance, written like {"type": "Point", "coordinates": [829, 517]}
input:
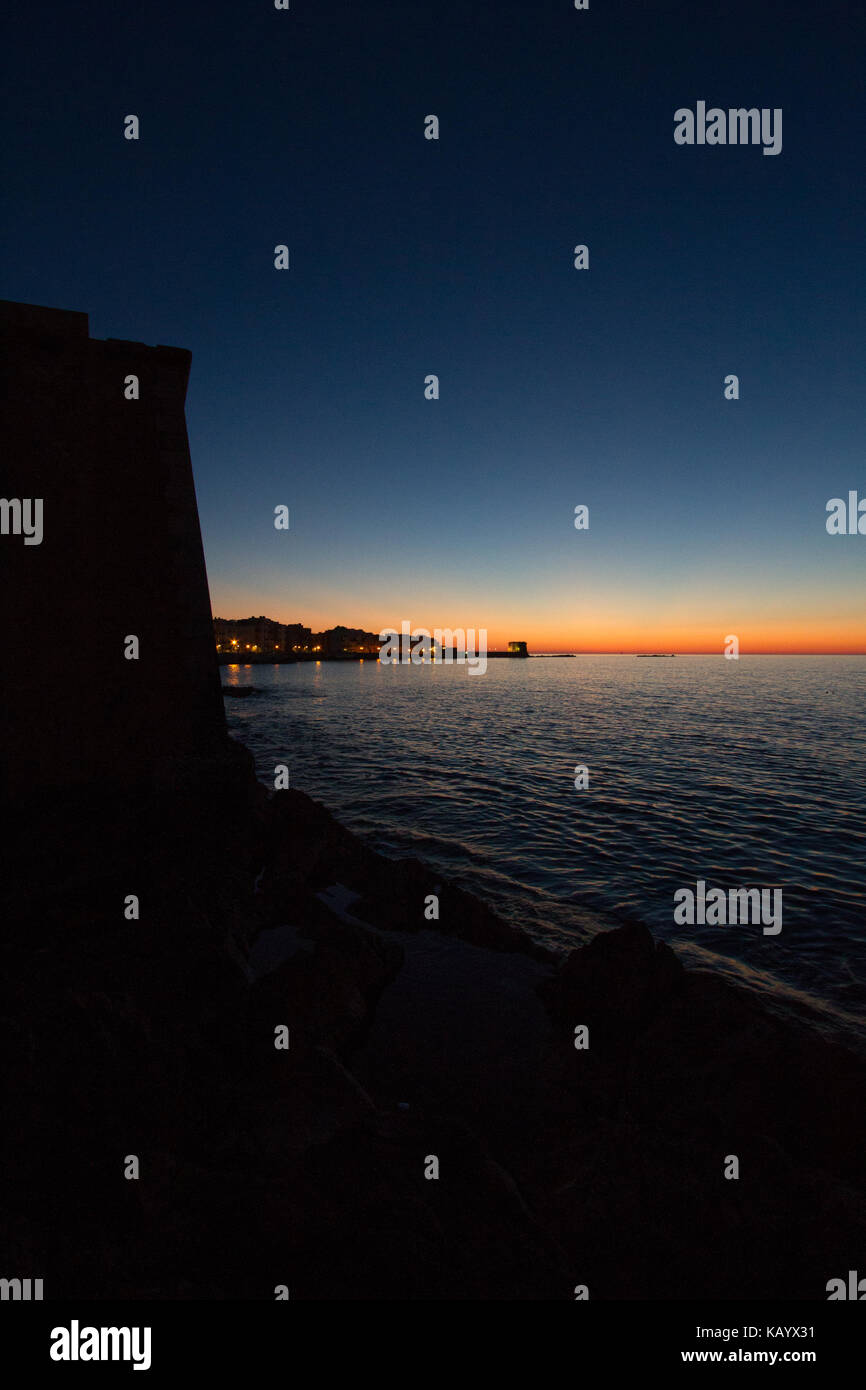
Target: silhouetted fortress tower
{"type": "Point", "coordinates": [121, 555]}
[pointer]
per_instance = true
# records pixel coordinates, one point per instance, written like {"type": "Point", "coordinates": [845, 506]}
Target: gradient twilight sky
{"type": "Point", "coordinates": [410, 257]}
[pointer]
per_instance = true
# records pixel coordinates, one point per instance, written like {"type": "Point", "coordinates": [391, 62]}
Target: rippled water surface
{"type": "Point", "coordinates": [742, 773]}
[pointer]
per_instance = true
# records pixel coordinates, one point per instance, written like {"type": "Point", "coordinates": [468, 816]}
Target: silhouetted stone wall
{"type": "Point", "coordinates": [120, 555]}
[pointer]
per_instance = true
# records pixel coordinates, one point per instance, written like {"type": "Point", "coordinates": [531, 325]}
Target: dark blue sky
{"type": "Point", "coordinates": [411, 257]}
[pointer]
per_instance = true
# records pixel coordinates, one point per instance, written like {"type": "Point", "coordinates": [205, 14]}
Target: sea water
{"type": "Point", "coordinates": [740, 774]}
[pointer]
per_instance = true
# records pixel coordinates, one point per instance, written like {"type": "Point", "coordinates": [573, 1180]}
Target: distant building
{"type": "Point", "coordinates": [350, 641]}
{"type": "Point", "coordinates": [296, 638]}
{"type": "Point", "coordinates": [344, 641]}
{"type": "Point", "coordinates": [260, 635]}
{"type": "Point", "coordinates": [242, 635]}
{"type": "Point", "coordinates": [223, 631]}
{"type": "Point", "coordinates": [517, 649]}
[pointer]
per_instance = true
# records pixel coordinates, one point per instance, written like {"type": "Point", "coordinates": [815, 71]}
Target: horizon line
{"type": "Point", "coordinates": [565, 650]}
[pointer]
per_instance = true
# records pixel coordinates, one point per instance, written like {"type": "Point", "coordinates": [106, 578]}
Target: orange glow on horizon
{"type": "Point", "coordinates": [603, 624]}
{"type": "Point", "coordinates": [780, 641]}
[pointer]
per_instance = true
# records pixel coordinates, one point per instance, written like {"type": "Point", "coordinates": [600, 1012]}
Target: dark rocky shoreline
{"type": "Point", "coordinates": [559, 1167]}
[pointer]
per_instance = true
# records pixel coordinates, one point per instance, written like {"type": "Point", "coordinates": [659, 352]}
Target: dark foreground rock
{"type": "Point", "coordinates": [410, 1039]}
{"type": "Point", "coordinates": [684, 1072]}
